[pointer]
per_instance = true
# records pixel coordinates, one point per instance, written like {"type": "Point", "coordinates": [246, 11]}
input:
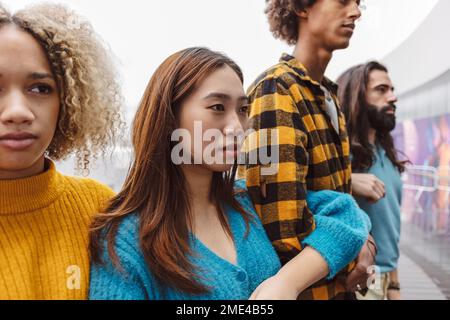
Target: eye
{"type": "Point", "coordinates": [381, 89]}
{"type": "Point", "coordinates": [218, 107]}
{"type": "Point", "coordinates": [43, 89]}
{"type": "Point", "coordinates": [244, 109]}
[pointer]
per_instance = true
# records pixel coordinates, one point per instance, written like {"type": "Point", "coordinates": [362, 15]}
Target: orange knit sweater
{"type": "Point", "coordinates": [44, 222]}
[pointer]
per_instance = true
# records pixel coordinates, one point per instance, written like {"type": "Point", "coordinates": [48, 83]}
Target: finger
{"type": "Point", "coordinates": [375, 196]}
{"type": "Point", "coordinates": [379, 181]}
{"type": "Point", "coordinates": [378, 192]}
{"type": "Point", "coordinates": [381, 187]}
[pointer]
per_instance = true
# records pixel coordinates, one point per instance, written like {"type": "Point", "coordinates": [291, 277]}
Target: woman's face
{"type": "Point", "coordinates": [29, 104]}
{"type": "Point", "coordinates": [214, 116]}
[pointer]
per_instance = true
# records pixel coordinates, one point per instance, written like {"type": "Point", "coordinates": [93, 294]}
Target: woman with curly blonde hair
{"type": "Point", "coordinates": [58, 96]}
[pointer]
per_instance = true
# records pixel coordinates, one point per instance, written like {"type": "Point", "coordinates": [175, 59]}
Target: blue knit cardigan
{"type": "Point", "coordinates": [341, 230]}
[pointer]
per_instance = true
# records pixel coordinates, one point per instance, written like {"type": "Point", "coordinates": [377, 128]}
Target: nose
{"type": "Point", "coordinates": [14, 109]}
{"type": "Point", "coordinates": [233, 126]}
{"type": "Point", "coordinates": [392, 98]}
{"type": "Point", "coordinates": [355, 12]}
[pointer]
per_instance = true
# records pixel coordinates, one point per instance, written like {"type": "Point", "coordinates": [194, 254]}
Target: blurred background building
{"type": "Point", "coordinates": [420, 68]}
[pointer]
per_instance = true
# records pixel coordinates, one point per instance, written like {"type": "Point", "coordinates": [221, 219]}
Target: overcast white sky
{"type": "Point", "coordinates": [143, 33]}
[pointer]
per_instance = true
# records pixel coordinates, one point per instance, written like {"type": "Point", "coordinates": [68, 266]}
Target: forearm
{"type": "Point", "coordinates": [341, 228]}
{"type": "Point", "coordinates": [307, 268]}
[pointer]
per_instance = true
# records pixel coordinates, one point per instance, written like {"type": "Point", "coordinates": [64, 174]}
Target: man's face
{"type": "Point", "coordinates": [381, 101]}
{"type": "Point", "coordinates": [332, 22]}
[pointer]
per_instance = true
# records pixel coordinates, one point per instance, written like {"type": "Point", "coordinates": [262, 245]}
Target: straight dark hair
{"type": "Point", "coordinates": [352, 97]}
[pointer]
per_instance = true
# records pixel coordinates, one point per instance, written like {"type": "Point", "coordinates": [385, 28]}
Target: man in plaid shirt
{"type": "Point", "coordinates": [296, 100]}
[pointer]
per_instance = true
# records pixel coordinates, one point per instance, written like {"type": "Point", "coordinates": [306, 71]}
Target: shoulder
{"type": "Point", "coordinates": [243, 197]}
{"type": "Point", "coordinates": [89, 189]}
{"type": "Point", "coordinates": [126, 241]}
{"type": "Point", "coordinates": [278, 78]}
{"type": "Point", "coordinates": [129, 230]}
{"type": "Point", "coordinates": [240, 190]}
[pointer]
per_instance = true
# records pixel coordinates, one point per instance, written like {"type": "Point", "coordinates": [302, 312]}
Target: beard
{"type": "Point", "coordinates": [380, 120]}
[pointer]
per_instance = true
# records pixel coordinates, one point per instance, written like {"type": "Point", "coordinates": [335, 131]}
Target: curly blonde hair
{"type": "Point", "coordinates": [283, 18]}
{"type": "Point", "coordinates": [90, 118]}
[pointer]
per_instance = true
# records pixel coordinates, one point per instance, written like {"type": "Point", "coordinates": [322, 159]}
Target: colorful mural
{"type": "Point", "coordinates": [426, 197]}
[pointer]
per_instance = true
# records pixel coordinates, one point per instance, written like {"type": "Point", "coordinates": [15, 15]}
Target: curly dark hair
{"type": "Point", "coordinates": [283, 18]}
{"type": "Point", "coordinates": [90, 119]}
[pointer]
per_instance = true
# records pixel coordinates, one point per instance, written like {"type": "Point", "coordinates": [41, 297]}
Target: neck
{"type": "Point", "coordinates": [372, 136]}
{"type": "Point", "coordinates": [199, 182]}
{"type": "Point", "coordinates": [313, 57]}
{"type": "Point", "coordinates": [35, 169]}
{"type": "Point", "coordinates": [31, 193]}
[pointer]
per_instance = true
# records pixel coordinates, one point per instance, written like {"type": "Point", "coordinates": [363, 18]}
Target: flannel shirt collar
{"type": "Point", "coordinates": [302, 72]}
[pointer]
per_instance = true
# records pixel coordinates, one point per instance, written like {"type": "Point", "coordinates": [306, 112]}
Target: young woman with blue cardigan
{"type": "Point", "coordinates": [185, 229]}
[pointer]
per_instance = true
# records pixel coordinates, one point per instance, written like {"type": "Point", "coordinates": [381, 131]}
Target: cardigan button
{"type": "Point", "coordinates": [241, 276]}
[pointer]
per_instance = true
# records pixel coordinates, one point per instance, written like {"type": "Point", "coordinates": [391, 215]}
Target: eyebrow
{"type": "Point", "coordinates": [37, 76]}
{"type": "Point", "coordinates": [384, 85]}
{"type": "Point", "coordinates": [40, 76]}
{"type": "Point", "coordinates": [224, 96]}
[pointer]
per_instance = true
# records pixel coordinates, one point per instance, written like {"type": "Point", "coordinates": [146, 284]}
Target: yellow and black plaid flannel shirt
{"type": "Point", "coordinates": [312, 156]}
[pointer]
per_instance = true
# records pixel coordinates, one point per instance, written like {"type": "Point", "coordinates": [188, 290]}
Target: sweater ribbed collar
{"type": "Point", "coordinates": [32, 193]}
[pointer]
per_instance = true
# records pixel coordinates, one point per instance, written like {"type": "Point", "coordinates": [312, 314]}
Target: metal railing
{"type": "Point", "coordinates": [426, 183]}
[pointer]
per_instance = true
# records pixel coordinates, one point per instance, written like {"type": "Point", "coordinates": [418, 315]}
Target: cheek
{"type": "Point", "coordinates": [376, 101]}
{"type": "Point", "coordinates": [324, 22]}
{"type": "Point", "coordinates": [191, 116]}
{"type": "Point", "coordinates": [49, 119]}
{"type": "Point", "coordinates": [245, 123]}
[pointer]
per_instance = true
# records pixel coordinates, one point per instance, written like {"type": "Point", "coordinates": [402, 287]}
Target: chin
{"type": "Point", "coordinates": [220, 167]}
{"type": "Point", "coordinates": [17, 161]}
{"type": "Point", "coordinates": [14, 165]}
{"type": "Point", "coordinates": [342, 45]}
{"type": "Point", "coordinates": [340, 42]}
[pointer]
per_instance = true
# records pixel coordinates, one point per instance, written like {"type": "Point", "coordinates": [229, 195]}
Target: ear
{"type": "Point", "coordinates": [302, 13]}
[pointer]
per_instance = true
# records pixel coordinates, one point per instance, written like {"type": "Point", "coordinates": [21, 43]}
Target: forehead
{"type": "Point", "coordinates": [334, 4]}
{"type": "Point", "coordinates": [19, 51]}
{"type": "Point", "coordinates": [223, 80]}
{"type": "Point", "coordinates": [379, 77]}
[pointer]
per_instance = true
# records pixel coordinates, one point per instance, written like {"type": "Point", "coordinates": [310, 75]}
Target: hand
{"type": "Point", "coordinates": [368, 186]}
{"type": "Point", "coordinates": [394, 295]}
{"type": "Point", "coordinates": [357, 279]}
{"type": "Point", "coordinates": [275, 288]}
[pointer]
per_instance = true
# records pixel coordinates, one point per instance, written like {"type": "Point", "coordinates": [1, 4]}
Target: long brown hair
{"type": "Point", "coordinates": [155, 188]}
{"type": "Point", "coordinates": [352, 97]}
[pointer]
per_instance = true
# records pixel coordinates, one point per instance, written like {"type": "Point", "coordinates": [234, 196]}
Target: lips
{"type": "Point", "coordinates": [389, 109]}
{"type": "Point", "coordinates": [17, 141]}
{"type": "Point", "coordinates": [229, 151]}
{"type": "Point", "coordinates": [349, 26]}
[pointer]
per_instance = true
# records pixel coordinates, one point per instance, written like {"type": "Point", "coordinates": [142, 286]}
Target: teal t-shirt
{"type": "Point", "coordinates": [385, 214]}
